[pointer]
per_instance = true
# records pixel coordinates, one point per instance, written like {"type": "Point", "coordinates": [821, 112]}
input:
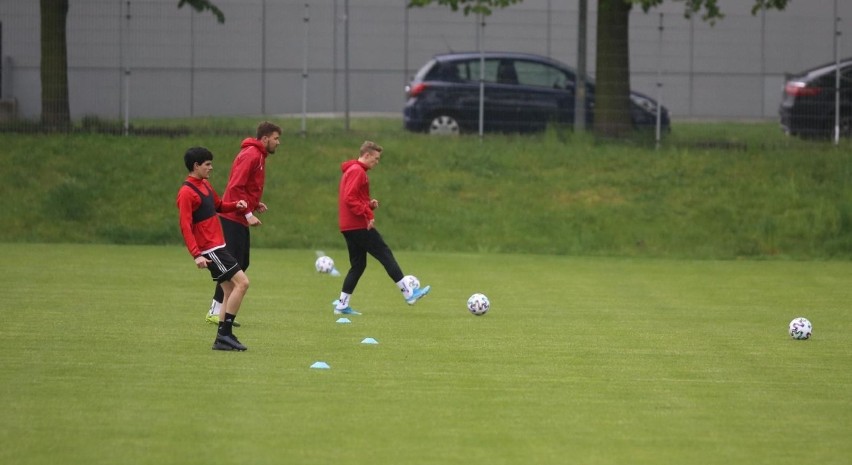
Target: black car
{"type": "Point", "coordinates": [808, 105]}
{"type": "Point", "coordinates": [522, 92]}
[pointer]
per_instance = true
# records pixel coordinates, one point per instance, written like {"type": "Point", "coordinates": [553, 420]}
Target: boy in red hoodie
{"type": "Point", "coordinates": [197, 204]}
{"type": "Point", "coordinates": [357, 224]}
{"type": "Point", "coordinates": [246, 181]}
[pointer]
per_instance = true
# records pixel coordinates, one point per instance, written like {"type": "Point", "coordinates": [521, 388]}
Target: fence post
{"type": "Point", "coordinates": [836, 75]}
{"type": "Point", "coordinates": [346, 63]}
{"type": "Point", "coordinates": [2, 69]}
{"type": "Point", "coordinates": [659, 84]}
{"type": "Point", "coordinates": [126, 101]}
{"type": "Point", "coordinates": [480, 32]}
{"type": "Point", "coordinates": [307, 19]}
{"type": "Point", "coordinates": [580, 81]}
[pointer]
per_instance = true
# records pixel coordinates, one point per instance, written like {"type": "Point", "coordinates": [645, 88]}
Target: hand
{"type": "Point", "coordinates": [374, 204]}
{"type": "Point", "coordinates": [261, 207]}
{"type": "Point", "coordinates": [253, 221]}
{"type": "Point", "coordinates": [201, 262]}
{"type": "Point", "coordinates": [371, 224]}
{"type": "Point", "coordinates": [242, 205]}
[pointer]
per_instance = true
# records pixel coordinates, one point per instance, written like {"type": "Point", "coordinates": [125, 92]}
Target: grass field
{"type": "Point", "coordinates": [107, 360]}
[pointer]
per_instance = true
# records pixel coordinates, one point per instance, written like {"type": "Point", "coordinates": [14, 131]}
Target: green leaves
{"type": "Point", "coordinates": [204, 5]}
{"type": "Point", "coordinates": [483, 7]}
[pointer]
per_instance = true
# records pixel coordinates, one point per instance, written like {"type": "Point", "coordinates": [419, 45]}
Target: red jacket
{"type": "Point", "coordinates": [247, 178]}
{"type": "Point", "coordinates": [206, 235]}
{"type": "Point", "coordinates": [353, 204]}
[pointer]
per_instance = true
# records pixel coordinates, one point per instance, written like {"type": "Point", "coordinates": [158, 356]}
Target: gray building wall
{"type": "Point", "coordinates": [147, 58]}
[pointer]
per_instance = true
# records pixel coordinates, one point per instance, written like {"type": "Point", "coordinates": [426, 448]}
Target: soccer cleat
{"type": "Point", "coordinates": [418, 294]}
{"type": "Point", "coordinates": [221, 346]}
{"type": "Point", "coordinates": [344, 311]}
{"type": "Point", "coordinates": [228, 340]}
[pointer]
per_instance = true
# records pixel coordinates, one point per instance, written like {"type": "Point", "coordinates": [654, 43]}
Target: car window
{"type": "Point", "coordinates": [506, 73]}
{"type": "Point", "coordinates": [469, 70]}
{"type": "Point", "coordinates": [427, 71]}
{"type": "Point", "coordinates": [540, 75]}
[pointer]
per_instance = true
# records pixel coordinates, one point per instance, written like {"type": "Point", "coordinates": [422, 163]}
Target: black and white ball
{"type": "Point", "coordinates": [324, 264]}
{"type": "Point", "coordinates": [478, 304]}
{"type": "Point", "coordinates": [801, 328]}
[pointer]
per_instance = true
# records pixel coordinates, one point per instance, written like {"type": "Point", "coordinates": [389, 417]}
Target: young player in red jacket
{"type": "Point", "coordinates": [357, 224]}
{"type": "Point", "coordinates": [197, 204]}
{"type": "Point", "coordinates": [246, 181]}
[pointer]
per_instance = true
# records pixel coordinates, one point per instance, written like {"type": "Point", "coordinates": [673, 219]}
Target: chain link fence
{"type": "Point", "coordinates": [131, 59]}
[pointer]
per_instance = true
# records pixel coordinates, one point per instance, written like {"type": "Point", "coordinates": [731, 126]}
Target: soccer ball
{"type": "Point", "coordinates": [324, 264]}
{"type": "Point", "coordinates": [800, 328]}
{"type": "Point", "coordinates": [478, 304]}
{"type": "Point", "coordinates": [411, 282]}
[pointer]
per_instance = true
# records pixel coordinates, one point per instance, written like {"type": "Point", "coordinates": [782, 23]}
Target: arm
{"type": "Point", "coordinates": [242, 171]}
{"type": "Point", "coordinates": [225, 207]}
{"type": "Point", "coordinates": [187, 202]}
{"type": "Point", "coordinates": [353, 181]}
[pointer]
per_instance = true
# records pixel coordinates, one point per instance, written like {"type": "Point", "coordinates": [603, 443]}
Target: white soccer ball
{"type": "Point", "coordinates": [478, 304]}
{"type": "Point", "coordinates": [324, 264]}
{"type": "Point", "coordinates": [411, 282]}
{"type": "Point", "coordinates": [800, 328]}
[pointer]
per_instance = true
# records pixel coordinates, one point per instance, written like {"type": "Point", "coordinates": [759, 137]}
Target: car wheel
{"type": "Point", "coordinates": [444, 125]}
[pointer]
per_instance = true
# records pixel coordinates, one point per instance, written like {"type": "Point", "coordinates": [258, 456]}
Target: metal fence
{"type": "Point", "coordinates": [132, 59]}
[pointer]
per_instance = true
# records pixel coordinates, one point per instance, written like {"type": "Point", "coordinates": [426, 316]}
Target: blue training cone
{"type": "Point", "coordinates": [321, 365]}
{"type": "Point", "coordinates": [369, 340]}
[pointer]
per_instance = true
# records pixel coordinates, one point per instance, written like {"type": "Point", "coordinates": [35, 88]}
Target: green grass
{"type": "Point", "coordinates": [713, 191]}
{"type": "Point", "coordinates": [580, 360]}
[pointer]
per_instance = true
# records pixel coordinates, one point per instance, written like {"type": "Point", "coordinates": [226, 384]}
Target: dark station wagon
{"type": "Point", "coordinates": [808, 107]}
{"type": "Point", "coordinates": [522, 92]}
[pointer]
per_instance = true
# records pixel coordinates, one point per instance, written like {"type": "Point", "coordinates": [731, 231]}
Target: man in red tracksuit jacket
{"type": "Point", "coordinates": [246, 181]}
{"type": "Point", "coordinates": [197, 204]}
{"type": "Point", "coordinates": [357, 224]}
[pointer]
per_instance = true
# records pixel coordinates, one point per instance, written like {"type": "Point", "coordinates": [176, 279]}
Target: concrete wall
{"type": "Point", "coordinates": [183, 63]}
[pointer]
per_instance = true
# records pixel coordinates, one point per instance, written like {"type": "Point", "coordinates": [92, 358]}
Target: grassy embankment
{"type": "Point", "coordinates": [711, 191]}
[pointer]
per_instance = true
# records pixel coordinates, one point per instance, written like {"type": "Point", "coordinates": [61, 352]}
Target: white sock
{"type": "Point", "coordinates": [344, 301]}
{"type": "Point", "coordinates": [214, 308]}
{"type": "Point", "coordinates": [406, 292]}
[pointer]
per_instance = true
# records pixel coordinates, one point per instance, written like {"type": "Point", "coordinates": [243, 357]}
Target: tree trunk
{"type": "Point", "coordinates": [55, 109]}
{"type": "Point", "coordinates": [612, 88]}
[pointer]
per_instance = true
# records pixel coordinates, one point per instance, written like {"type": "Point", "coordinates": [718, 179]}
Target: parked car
{"type": "Point", "coordinates": [523, 92]}
{"type": "Point", "coordinates": [808, 105]}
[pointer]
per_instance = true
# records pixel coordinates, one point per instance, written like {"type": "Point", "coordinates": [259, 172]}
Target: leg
{"type": "Point", "coordinates": [237, 242]}
{"type": "Point", "coordinates": [357, 265]}
{"type": "Point", "coordinates": [234, 291]}
{"type": "Point", "coordinates": [355, 241]}
{"type": "Point", "coordinates": [377, 247]}
{"type": "Point", "coordinates": [226, 271]}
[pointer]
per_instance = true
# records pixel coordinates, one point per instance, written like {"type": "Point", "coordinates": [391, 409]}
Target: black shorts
{"type": "Point", "coordinates": [237, 241]}
{"type": "Point", "coordinates": [222, 265]}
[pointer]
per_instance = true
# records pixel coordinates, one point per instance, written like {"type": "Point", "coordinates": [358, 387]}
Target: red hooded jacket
{"type": "Point", "coordinates": [354, 210]}
{"type": "Point", "coordinates": [247, 178]}
{"type": "Point", "coordinates": [206, 235]}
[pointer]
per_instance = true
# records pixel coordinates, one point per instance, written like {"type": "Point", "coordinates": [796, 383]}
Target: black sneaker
{"type": "Point", "coordinates": [221, 346]}
{"type": "Point", "coordinates": [231, 341]}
